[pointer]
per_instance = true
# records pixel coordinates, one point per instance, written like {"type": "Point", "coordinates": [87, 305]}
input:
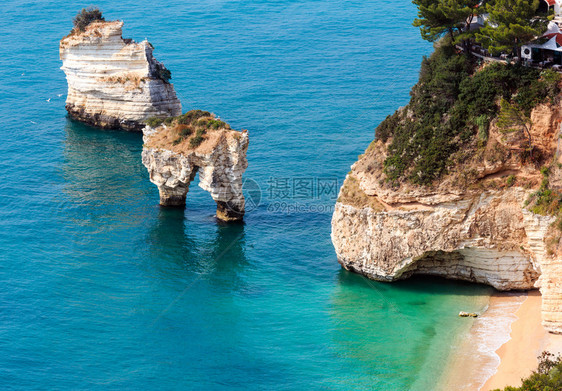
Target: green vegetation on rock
{"type": "Point", "coordinates": [546, 201]}
{"type": "Point", "coordinates": [547, 377]}
{"type": "Point", "coordinates": [450, 109]}
{"type": "Point", "coordinates": [154, 122]}
{"type": "Point", "coordinates": [194, 124]}
{"type": "Point", "coordinates": [85, 17]}
{"type": "Point", "coordinates": [198, 139]}
{"type": "Point", "coordinates": [163, 73]}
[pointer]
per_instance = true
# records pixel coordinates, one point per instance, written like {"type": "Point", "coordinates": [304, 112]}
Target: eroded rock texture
{"type": "Point", "coordinates": [474, 225]}
{"type": "Point", "coordinates": [220, 161]}
{"type": "Point", "coordinates": [114, 82]}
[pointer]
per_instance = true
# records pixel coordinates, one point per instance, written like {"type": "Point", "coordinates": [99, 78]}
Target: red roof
{"type": "Point", "coordinates": [550, 2]}
{"type": "Point", "coordinates": [558, 37]}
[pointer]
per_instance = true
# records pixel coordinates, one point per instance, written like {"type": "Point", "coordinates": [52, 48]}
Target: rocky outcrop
{"type": "Point", "coordinates": [114, 82]}
{"type": "Point", "coordinates": [173, 161]}
{"type": "Point", "coordinates": [474, 225]}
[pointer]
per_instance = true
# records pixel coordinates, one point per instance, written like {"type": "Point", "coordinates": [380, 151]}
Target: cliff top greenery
{"type": "Point", "coordinates": [193, 125]}
{"type": "Point", "coordinates": [85, 17]}
{"type": "Point", "coordinates": [548, 376]}
{"type": "Point", "coordinates": [451, 108]}
{"type": "Point", "coordinates": [456, 98]}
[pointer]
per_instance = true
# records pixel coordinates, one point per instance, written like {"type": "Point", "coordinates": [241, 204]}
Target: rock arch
{"type": "Point", "coordinates": [220, 162]}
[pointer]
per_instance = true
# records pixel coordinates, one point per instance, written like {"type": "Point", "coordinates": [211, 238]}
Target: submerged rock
{"type": "Point", "coordinates": [175, 151]}
{"type": "Point", "coordinates": [114, 82]}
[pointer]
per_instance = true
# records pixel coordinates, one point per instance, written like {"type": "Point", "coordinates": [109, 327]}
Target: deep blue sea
{"type": "Point", "coordinates": [101, 288]}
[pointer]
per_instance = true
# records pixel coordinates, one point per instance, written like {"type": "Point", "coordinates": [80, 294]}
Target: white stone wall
{"type": "Point", "coordinates": [488, 238]}
{"type": "Point", "coordinates": [112, 83]}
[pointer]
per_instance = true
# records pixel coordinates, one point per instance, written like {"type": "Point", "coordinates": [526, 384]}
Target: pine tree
{"type": "Point", "coordinates": [437, 18]}
{"type": "Point", "coordinates": [512, 23]}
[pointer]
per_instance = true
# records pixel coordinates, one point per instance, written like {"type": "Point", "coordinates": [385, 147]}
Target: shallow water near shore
{"type": "Point", "coordinates": [475, 359]}
{"type": "Point", "coordinates": [103, 289]}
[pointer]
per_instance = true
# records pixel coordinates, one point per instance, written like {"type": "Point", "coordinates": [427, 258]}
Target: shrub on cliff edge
{"type": "Point", "coordinates": [85, 17]}
{"type": "Point", "coordinates": [548, 376]}
{"type": "Point", "coordinates": [154, 122]}
{"type": "Point", "coordinates": [450, 110]}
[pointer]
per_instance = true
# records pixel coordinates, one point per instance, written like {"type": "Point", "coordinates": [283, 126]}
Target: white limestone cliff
{"type": "Point", "coordinates": [114, 82]}
{"type": "Point", "coordinates": [220, 160]}
{"type": "Point", "coordinates": [483, 232]}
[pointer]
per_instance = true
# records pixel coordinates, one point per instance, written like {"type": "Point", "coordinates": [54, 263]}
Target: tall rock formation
{"type": "Point", "coordinates": [114, 82]}
{"type": "Point", "coordinates": [196, 142]}
{"type": "Point", "coordinates": [475, 224]}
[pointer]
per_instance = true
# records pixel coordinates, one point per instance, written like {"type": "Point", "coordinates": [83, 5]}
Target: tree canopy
{"type": "Point", "coordinates": [512, 23]}
{"type": "Point", "coordinates": [437, 18]}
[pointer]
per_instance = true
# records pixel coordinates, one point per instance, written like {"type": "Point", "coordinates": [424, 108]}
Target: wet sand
{"type": "Point", "coordinates": [502, 345]}
{"type": "Point", "coordinates": [518, 357]}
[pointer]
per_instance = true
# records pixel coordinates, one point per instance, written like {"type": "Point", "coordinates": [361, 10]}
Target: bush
{"type": "Point", "coordinates": [192, 116]}
{"type": "Point", "coordinates": [197, 139]}
{"type": "Point", "coordinates": [85, 17]}
{"type": "Point", "coordinates": [192, 125]}
{"type": "Point", "coordinates": [216, 124]}
{"type": "Point", "coordinates": [185, 130]}
{"type": "Point", "coordinates": [450, 109]}
{"type": "Point", "coordinates": [154, 122]}
{"type": "Point", "coordinates": [511, 180]}
{"type": "Point", "coordinates": [547, 201]}
{"type": "Point", "coordinates": [423, 140]}
{"type": "Point", "coordinates": [384, 131]}
{"type": "Point", "coordinates": [548, 376]}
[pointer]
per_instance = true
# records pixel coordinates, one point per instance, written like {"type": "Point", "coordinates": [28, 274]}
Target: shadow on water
{"type": "Point", "coordinates": [102, 166]}
{"type": "Point", "coordinates": [181, 248]}
{"type": "Point", "coordinates": [417, 284]}
{"type": "Point", "coordinates": [102, 200]}
{"type": "Point", "coordinates": [229, 257]}
{"type": "Point", "coordinates": [172, 249]}
{"type": "Point", "coordinates": [373, 318]}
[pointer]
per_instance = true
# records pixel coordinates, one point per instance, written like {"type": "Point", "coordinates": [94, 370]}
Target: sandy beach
{"type": "Point", "coordinates": [502, 345]}
{"type": "Point", "coordinates": [518, 356]}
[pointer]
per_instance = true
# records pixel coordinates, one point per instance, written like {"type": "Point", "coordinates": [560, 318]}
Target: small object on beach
{"type": "Point", "coordinates": [463, 314]}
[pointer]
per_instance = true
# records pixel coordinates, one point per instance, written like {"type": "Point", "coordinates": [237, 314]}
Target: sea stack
{"type": "Point", "coordinates": [114, 82]}
{"type": "Point", "coordinates": [177, 148]}
{"type": "Point", "coordinates": [460, 188]}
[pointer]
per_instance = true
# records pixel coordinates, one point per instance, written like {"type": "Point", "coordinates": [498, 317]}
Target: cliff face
{"type": "Point", "coordinates": [112, 82]}
{"type": "Point", "coordinates": [474, 224]}
{"type": "Point", "coordinates": [173, 157]}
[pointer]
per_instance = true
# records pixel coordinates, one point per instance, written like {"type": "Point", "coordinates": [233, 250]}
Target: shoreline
{"type": "Point", "coordinates": [502, 345]}
{"type": "Point", "coordinates": [528, 339]}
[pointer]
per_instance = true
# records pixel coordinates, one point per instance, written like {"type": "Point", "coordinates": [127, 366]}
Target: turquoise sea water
{"type": "Point", "coordinates": [100, 288]}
